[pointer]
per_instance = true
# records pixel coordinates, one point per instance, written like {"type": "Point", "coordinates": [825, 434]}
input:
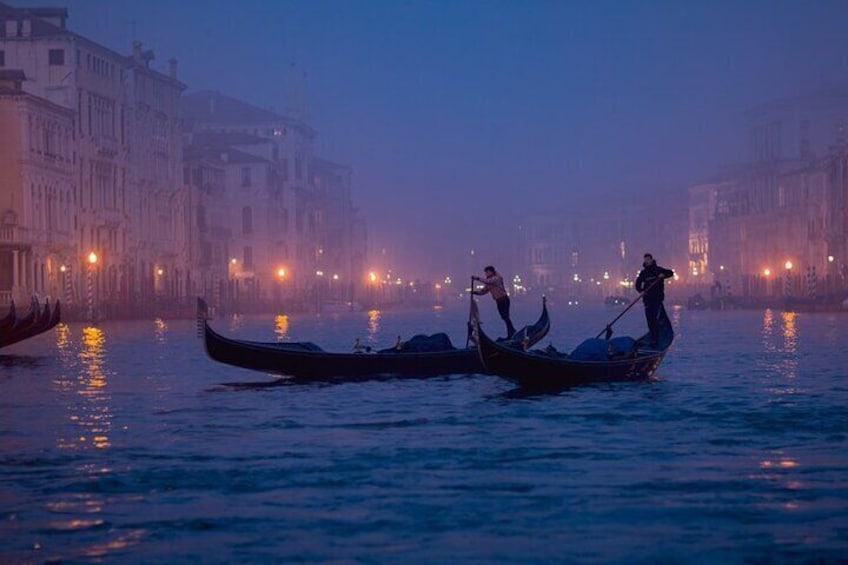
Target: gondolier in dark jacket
{"type": "Point", "coordinates": [650, 283]}
{"type": "Point", "coordinates": [493, 284]}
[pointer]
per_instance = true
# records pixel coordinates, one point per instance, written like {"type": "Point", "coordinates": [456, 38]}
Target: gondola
{"type": "Point", "coordinates": [307, 361]}
{"type": "Point", "coordinates": [595, 360]}
{"type": "Point", "coordinates": [7, 321]}
{"type": "Point", "coordinates": [37, 321]}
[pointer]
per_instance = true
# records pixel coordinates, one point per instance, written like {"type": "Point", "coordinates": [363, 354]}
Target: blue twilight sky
{"type": "Point", "coordinates": [461, 117]}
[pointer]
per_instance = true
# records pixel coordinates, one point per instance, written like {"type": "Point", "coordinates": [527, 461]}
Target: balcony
{"type": "Point", "coordinates": [9, 234]}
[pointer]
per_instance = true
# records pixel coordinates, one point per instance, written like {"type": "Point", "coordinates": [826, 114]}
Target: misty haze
{"type": "Point", "coordinates": [423, 281]}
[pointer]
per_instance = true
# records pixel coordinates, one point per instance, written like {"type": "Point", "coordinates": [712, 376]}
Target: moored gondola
{"type": "Point", "coordinates": [8, 320]}
{"type": "Point", "coordinates": [37, 321]}
{"type": "Point", "coordinates": [595, 360]}
{"type": "Point", "coordinates": [430, 356]}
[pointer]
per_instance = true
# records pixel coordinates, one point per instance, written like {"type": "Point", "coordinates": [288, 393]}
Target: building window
{"type": "Point", "coordinates": [246, 220]}
{"type": "Point", "coordinates": [248, 257]}
{"type": "Point", "coordinates": [56, 57]}
{"type": "Point", "coordinates": [245, 176]}
{"type": "Point", "coordinates": [2, 58]}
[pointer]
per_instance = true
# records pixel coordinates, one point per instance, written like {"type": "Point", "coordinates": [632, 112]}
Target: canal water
{"type": "Point", "coordinates": [125, 443]}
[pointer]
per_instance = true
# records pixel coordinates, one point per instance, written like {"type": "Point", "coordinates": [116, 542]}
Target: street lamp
{"type": "Point", "coordinates": [92, 263]}
{"type": "Point", "coordinates": [787, 288]}
{"type": "Point", "coordinates": [234, 291]}
{"type": "Point", "coordinates": [281, 277]}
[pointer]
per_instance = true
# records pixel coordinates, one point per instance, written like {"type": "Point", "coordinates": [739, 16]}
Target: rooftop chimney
{"type": "Point", "coordinates": [137, 51]}
{"type": "Point", "coordinates": [172, 68]}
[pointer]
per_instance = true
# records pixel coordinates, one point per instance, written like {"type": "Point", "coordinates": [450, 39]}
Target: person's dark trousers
{"type": "Point", "coordinates": [652, 312]}
{"type": "Point", "coordinates": [503, 310]}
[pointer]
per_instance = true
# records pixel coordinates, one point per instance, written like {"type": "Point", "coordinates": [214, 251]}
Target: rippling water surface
{"type": "Point", "coordinates": [121, 443]}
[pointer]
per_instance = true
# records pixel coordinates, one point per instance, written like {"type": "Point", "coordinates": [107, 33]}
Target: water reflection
{"type": "Point", "coordinates": [790, 332]}
{"type": "Point", "coordinates": [780, 471]}
{"type": "Point", "coordinates": [281, 327]}
{"type": "Point", "coordinates": [780, 351]}
{"type": "Point", "coordinates": [66, 355]}
{"type": "Point", "coordinates": [79, 513]}
{"type": "Point", "coordinates": [94, 416]}
{"type": "Point", "coordinates": [161, 330]}
{"type": "Point", "coordinates": [374, 317]}
{"type": "Point", "coordinates": [236, 322]}
{"type": "Point", "coordinates": [768, 329]}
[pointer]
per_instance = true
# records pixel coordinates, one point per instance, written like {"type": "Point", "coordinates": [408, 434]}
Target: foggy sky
{"type": "Point", "coordinates": [458, 118]}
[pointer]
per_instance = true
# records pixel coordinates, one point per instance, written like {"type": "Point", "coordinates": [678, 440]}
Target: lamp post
{"type": "Point", "coordinates": [281, 277]}
{"type": "Point", "coordinates": [372, 281]}
{"type": "Point", "coordinates": [233, 284]}
{"type": "Point", "coordinates": [767, 274]}
{"type": "Point", "coordinates": [319, 281]}
{"type": "Point", "coordinates": [66, 282]}
{"type": "Point", "coordinates": [92, 263]}
{"type": "Point", "coordinates": [787, 288]}
{"type": "Point", "coordinates": [334, 288]}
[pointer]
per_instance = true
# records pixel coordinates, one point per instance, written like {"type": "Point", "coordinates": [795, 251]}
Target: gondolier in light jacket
{"type": "Point", "coordinates": [493, 284]}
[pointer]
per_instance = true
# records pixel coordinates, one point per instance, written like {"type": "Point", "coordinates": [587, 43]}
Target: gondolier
{"type": "Point", "coordinates": [650, 283]}
{"type": "Point", "coordinates": [493, 284]}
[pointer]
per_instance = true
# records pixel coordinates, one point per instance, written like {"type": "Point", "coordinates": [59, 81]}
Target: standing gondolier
{"type": "Point", "coordinates": [650, 283]}
{"type": "Point", "coordinates": [493, 283]}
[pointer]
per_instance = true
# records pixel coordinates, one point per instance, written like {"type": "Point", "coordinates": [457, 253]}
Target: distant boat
{"type": "Point", "coordinates": [696, 302]}
{"type": "Point", "coordinates": [616, 301]}
{"type": "Point", "coordinates": [341, 306]}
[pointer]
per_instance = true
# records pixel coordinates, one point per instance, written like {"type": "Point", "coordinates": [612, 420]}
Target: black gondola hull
{"type": "Point", "coordinates": [538, 369]}
{"type": "Point", "coordinates": [37, 321]}
{"type": "Point", "coordinates": [293, 360]}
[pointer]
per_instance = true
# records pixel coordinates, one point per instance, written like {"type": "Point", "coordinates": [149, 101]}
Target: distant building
{"type": "Point", "coordinates": [783, 214]}
{"type": "Point", "coordinates": [597, 250]}
{"type": "Point", "coordinates": [702, 209]}
{"type": "Point", "coordinates": [298, 207]}
{"type": "Point", "coordinates": [204, 208]}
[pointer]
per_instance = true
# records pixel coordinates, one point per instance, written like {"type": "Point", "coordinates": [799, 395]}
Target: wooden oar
{"type": "Point", "coordinates": [608, 330]}
{"type": "Point", "coordinates": [470, 314]}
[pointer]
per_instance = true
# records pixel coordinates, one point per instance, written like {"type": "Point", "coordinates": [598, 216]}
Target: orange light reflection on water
{"type": "Point", "coordinates": [281, 327]}
{"type": "Point", "coordinates": [161, 330]}
{"type": "Point", "coordinates": [374, 317]}
{"type": "Point", "coordinates": [790, 332]}
{"type": "Point", "coordinates": [94, 416]}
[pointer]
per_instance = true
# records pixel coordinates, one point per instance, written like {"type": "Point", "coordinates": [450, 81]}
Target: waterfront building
{"type": "Point", "coordinates": [125, 158]}
{"type": "Point", "coordinates": [36, 204]}
{"type": "Point", "coordinates": [782, 215]}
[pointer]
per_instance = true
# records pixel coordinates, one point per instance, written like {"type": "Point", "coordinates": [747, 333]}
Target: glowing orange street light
{"type": "Point", "coordinates": [92, 258]}
{"type": "Point", "coordinates": [767, 272]}
{"type": "Point", "coordinates": [788, 265]}
{"type": "Point", "coordinates": [281, 272]}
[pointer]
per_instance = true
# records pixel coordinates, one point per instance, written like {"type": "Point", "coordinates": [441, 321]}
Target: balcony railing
{"type": "Point", "coordinates": [8, 234]}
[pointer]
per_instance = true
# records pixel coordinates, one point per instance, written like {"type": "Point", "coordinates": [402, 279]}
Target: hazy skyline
{"type": "Point", "coordinates": [460, 118]}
